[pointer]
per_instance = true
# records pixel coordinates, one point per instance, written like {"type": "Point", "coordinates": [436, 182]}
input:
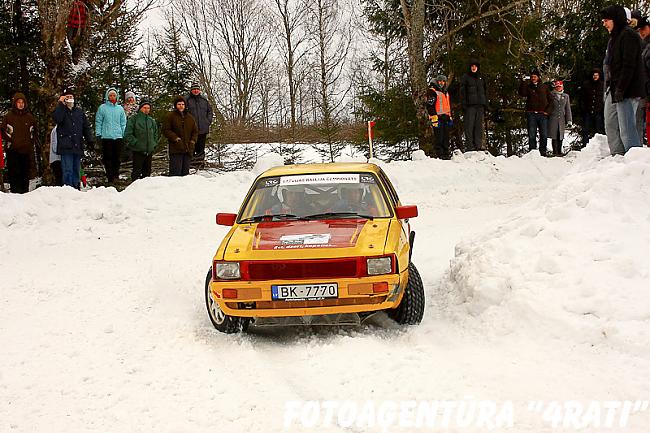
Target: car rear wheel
{"type": "Point", "coordinates": [220, 320]}
{"type": "Point", "coordinates": [411, 309]}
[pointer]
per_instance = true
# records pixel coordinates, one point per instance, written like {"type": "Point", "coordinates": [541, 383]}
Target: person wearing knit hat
{"type": "Point", "coordinates": [18, 130]}
{"type": "Point", "coordinates": [539, 106]}
{"type": "Point", "coordinates": [130, 104]}
{"type": "Point", "coordinates": [141, 137]}
{"type": "Point", "coordinates": [473, 101]}
{"type": "Point", "coordinates": [438, 105]}
{"type": "Point", "coordinates": [181, 132]}
{"type": "Point", "coordinates": [624, 81]}
{"type": "Point", "coordinates": [199, 107]}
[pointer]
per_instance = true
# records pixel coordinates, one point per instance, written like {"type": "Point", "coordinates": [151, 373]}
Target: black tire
{"type": "Point", "coordinates": [220, 320]}
{"type": "Point", "coordinates": [411, 309]}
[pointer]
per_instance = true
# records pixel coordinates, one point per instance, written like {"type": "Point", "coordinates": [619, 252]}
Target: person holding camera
{"type": "Point", "coordinates": [539, 106]}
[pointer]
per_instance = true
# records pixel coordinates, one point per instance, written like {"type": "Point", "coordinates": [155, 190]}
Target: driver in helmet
{"type": "Point", "coordinates": [351, 199]}
{"type": "Point", "coordinates": [293, 202]}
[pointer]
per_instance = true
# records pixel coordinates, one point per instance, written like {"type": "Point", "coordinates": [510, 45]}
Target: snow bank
{"type": "Point", "coordinates": [571, 263]}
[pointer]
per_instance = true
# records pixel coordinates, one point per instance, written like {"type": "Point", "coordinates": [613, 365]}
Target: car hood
{"type": "Point", "coordinates": [307, 239]}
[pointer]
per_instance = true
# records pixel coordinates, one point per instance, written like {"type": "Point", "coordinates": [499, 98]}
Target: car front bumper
{"type": "Point", "coordinates": [254, 298]}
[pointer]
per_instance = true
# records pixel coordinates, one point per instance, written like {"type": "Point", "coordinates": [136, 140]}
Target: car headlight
{"type": "Point", "coordinates": [381, 265]}
{"type": "Point", "coordinates": [227, 270]}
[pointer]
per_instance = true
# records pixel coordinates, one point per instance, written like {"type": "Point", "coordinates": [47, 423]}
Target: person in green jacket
{"type": "Point", "coordinates": [141, 136]}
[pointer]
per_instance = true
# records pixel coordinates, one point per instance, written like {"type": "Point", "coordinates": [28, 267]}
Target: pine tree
{"type": "Point", "coordinates": [176, 68]}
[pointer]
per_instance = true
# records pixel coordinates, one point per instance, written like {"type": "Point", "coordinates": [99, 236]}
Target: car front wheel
{"type": "Point", "coordinates": [411, 309]}
{"type": "Point", "coordinates": [220, 320]}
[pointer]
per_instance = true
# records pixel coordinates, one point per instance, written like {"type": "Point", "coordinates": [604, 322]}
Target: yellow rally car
{"type": "Point", "coordinates": [315, 244]}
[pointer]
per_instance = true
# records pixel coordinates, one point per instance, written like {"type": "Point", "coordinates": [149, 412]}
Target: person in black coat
{"type": "Point", "coordinates": [624, 81]}
{"type": "Point", "coordinates": [592, 104]}
{"type": "Point", "coordinates": [473, 100]}
{"type": "Point", "coordinates": [72, 128]}
{"type": "Point", "coordinates": [199, 107]}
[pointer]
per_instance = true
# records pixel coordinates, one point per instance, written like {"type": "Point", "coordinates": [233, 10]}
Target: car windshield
{"type": "Point", "coordinates": [316, 196]}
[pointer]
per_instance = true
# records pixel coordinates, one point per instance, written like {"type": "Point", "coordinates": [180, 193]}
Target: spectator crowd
{"type": "Point", "coordinates": [614, 100]}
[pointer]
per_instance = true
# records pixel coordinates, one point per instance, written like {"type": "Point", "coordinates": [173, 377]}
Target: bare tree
{"type": "Point", "coordinates": [332, 44]}
{"type": "Point", "coordinates": [200, 34]}
{"type": "Point", "coordinates": [242, 47]}
{"type": "Point", "coordinates": [292, 15]}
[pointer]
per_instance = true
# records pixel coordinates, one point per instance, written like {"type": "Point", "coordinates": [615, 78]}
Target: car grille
{"type": "Point", "coordinates": [302, 269]}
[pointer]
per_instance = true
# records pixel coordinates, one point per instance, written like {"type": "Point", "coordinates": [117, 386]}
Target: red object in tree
{"type": "Point", "coordinates": [78, 15]}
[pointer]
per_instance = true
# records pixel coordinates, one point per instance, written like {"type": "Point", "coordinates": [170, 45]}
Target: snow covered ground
{"type": "Point", "coordinates": [535, 270]}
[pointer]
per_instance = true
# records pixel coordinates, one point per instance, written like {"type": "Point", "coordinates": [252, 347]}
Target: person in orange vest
{"type": "Point", "coordinates": [439, 109]}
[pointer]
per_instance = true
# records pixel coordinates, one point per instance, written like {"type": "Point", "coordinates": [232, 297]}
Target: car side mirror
{"type": "Point", "coordinates": [226, 219]}
{"type": "Point", "coordinates": [405, 212]}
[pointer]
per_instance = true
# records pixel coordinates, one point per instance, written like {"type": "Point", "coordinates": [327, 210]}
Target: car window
{"type": "Point", "coordinates": [389, 186]}
{"type": "Point", "coordinates": [310, 195]}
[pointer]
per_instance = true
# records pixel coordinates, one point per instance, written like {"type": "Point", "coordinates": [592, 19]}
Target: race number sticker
{"type": "Point", "coordinates": [328, 178]}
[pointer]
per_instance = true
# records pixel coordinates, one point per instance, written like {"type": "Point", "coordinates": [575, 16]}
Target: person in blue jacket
{"type": "Point", "coordinates": [110, 122]}
{"type": "Point", "coordinates": [72, 128]}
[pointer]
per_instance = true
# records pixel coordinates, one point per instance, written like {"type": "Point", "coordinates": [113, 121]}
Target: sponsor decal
{"type": "Point", "coordinates": [320, 179]}
{"type": "Point", "coordinates": [306, 239]}
{"type": "Point", "coordinates": [307, 234]}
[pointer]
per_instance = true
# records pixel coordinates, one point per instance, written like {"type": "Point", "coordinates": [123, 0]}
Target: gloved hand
{"type": "Point", "coordinates": [434, 120]}
{"type": "Point", "coordinates": [450, 122]}
{"type": "Point", "coordinates": [617, 96]}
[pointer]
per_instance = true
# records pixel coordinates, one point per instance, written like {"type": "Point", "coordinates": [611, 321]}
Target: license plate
{"type": "Point", "coordinates": [302, 292]}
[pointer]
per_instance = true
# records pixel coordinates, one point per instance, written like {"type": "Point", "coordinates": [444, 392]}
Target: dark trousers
{"type": "Point", "coordinates": [441, 138]}
{"type": "Point", "coordinates": [473, 122]}
{"type": "Point", "coordinates": [111, 151]}
{"type": "Point", "coordinates": [557, 147]}
{"type": "Point", "coordinates": [592, 122]}
{"type": "Point", "coordinates": [18, 165]}
{"type": "Point", "coordinates": [141, 165]}
{"type": "Point", "coordinates": [537, 122]}
{"type": "Point", "coordinates": [57, 173]}
{"type": "Point", "coordinates": [199, 147]}
{"type": "Point", "coordinates": [179, 164]}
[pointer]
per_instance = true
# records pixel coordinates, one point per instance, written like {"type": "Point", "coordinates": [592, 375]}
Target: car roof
{"type": "Point", "coordinates": [333, 167]}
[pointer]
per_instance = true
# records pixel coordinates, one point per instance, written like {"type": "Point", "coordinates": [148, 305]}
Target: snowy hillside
{"type": "Point", "coordinates": [537, 279]}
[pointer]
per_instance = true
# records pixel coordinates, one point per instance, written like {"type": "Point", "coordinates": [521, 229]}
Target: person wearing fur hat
{"type": "Point", "coordinates": [438, 105]}
{"type": "Point", "coordinates": [141, 136]}
{"type": "Point", "coordinates": [72, 128]}
{"type": "Point", "coordinates": [130, 104]}
{"type": "Point", "coordinates": [18, 131]}
{"type": "Point", "coordinates": [199, 107]}
{"type": "Point", "coordinates": [473, 100]}
{"type": "Point", "coordinates": [539, 106]}
{"type": "Point", "coordinates": [181, 132]}
{"type": "Point", "coordinates": [624, 81]}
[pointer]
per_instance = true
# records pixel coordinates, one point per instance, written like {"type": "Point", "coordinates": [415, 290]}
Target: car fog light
{"type": "Point", "coordinates": [228, 270]}
{"type": "Point", "coordinates": [378, 266]}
